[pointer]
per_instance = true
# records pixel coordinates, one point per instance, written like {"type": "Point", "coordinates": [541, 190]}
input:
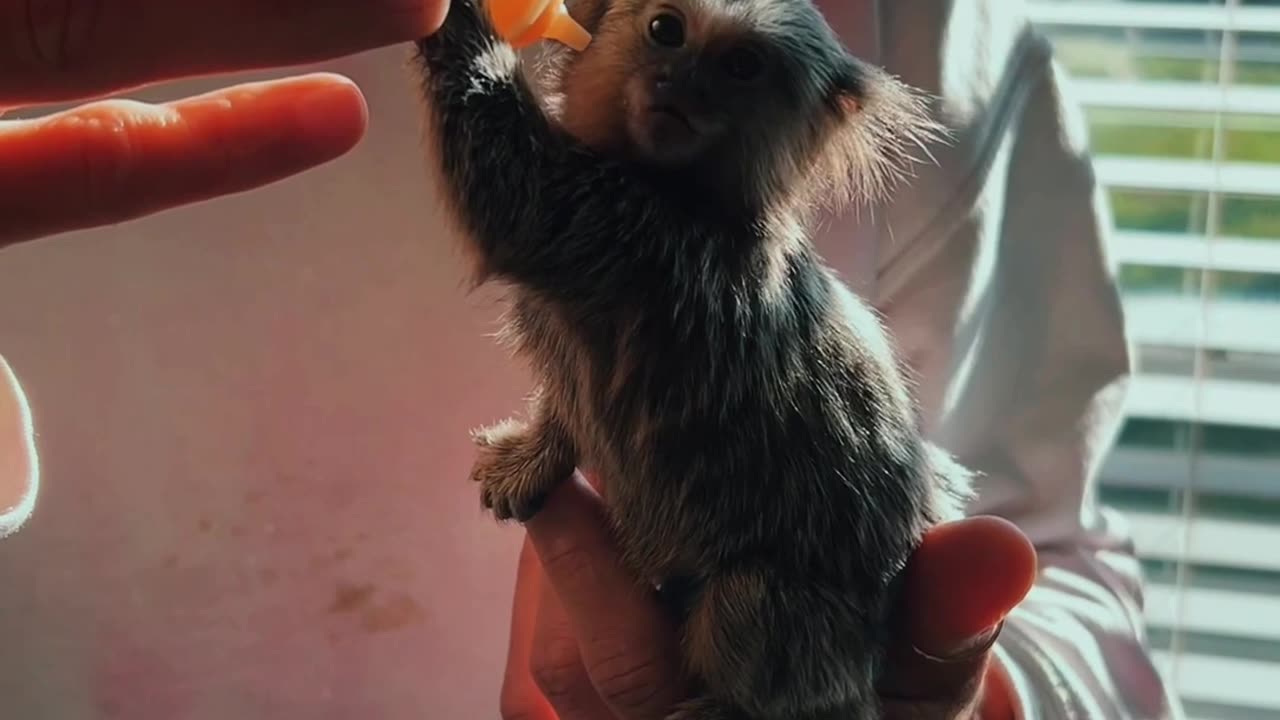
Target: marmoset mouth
{"type": "Point", "coordinates": [669, 132]}
{"type": "Point", "coordinates": [674, 114]}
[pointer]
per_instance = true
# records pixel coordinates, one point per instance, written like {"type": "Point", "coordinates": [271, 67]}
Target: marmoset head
{"type": "Point", "coordinates": [756, 98]}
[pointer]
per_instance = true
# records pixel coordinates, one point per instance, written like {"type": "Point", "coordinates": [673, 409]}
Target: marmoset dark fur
{"type": "Point", "coordinates": [759, 443]}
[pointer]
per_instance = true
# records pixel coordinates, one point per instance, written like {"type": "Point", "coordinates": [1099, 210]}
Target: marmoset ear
{"type": "Point", "coordinates": [881, 130]}
{"type": "Point", "coordinates": [847, 93]}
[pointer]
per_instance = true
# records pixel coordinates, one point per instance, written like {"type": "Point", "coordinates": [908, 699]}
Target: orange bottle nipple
{"type": "Point", "coordinates": [525, 22]}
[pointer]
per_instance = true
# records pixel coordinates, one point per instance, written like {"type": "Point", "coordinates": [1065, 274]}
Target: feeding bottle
{"type": "Point", "coordinates": [524, 22]}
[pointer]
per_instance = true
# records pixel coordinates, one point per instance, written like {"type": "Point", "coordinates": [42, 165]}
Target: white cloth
{"type": "Point", "coordinates": [992, 268]}
{"type": "Point", "coordinates": [19, 465]}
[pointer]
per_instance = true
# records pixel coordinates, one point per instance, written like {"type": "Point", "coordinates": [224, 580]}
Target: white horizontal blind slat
{"type": "Point", "coordinates": [1207, 400]}
{"type": "Point", "coordinates": [1138, 247]}
{"type": "Point", "coordinates": [1147, 173]}
{"type": "Point", "coordinates": [1170, 16]}
{"type": "Point", "coordinates": [1176, 96]}
{"type": "Point", "coordinates": [1229, 323]}
{"type": "Point", "coordinates": [1220, 612]}
{"type": "Point", "coordinates": [1210, 541]}
{"type": "Point", "coordinates": [1228, 681]}
{"type": "Point", "coordinates": [1170, 469]}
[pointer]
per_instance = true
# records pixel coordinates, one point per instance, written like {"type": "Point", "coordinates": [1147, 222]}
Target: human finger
{"type": "Point", "coordinates": [55, 50]}
{"type": "Point", "coordinates": [627, 642]}
{"type": "Point", "coordinates": [521, 699]}
{"type": "Point", "coordinates": [984, 566]}
{"type": "Point", "coordinates": [557, 666]}
{"type": "Point", "coordinates": [113, 161]}
{"type": "Point", "coordinates": [960, 584]}
{"type": "Point", "coordinates": [999, 699]}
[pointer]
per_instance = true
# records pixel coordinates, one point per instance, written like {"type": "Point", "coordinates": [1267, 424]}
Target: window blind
{"type": "Point", "coordinates": [1183, 103]}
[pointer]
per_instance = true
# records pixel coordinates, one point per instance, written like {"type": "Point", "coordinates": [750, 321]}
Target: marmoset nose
{"type": "Point", "coordinates": [679, 84]}
{"type": "Point", "coordinates": [665, 88]}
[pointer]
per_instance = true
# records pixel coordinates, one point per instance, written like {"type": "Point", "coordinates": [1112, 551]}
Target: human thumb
{"type": "Point", "coordinates": [958, 587]}
{"type": "Point", "coordinates": [19, 468]}
{"type": "Point", "coordinates": [962, 581]}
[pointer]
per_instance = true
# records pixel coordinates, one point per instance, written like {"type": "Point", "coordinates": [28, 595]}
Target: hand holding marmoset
{"type": "Point", "coordinates": [588, 642]}
{"type": "Point", "coordinates": [107, 162]}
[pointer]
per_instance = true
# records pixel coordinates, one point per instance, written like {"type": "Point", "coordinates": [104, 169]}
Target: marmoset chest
{"type": "Point", "coordinates": [766, 447]}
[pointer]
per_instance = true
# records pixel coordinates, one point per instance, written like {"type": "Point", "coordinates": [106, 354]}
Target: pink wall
{"type": "Point", "coordinates": [253, 419]}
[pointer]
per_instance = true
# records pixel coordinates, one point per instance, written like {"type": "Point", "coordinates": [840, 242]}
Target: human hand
{"type": "Point", "coordinates": [112, 161]}
{"type": "Point", "coordinates": [590, 642]}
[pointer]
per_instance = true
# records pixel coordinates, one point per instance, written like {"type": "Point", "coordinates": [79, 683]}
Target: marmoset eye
{"type": "Point", "coordinates": [667, 30]}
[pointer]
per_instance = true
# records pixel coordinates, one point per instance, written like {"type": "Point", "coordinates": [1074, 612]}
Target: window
{"type": "Point", "coordinates": [1183, 103]}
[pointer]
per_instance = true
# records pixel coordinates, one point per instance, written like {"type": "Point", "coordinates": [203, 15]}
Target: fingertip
{"type": "Point", "coordinates": [1023, 560]}
{"type": "Point", "coordinates": [433, 15]}
{"type": "Point", "coordinates": [330, 80]}
{"type": "Point", "coordinates": [1009, 556]}
{"type": "Point", "coordinates": [984, 566]}
{"type": "Point", "coordinates": [983, 544]}
{"type": "Point", "coordinates": [571, 537]}
{"type": "Point", "coordinates": [332, 114]}
{"type": "Point", "coordinates": [570, 508]}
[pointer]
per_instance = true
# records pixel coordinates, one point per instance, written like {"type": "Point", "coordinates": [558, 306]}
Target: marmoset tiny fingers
{"type": "Point", "coordinates": [524, 22]}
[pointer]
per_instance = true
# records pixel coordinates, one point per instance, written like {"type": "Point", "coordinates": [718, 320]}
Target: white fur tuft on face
{"type": "Point", "coordinates": [881, 139]}
{"type": "Point", "coordinates": [498, 64]}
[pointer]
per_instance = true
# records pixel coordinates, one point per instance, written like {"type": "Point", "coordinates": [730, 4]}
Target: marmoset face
{"type": "Point", "coordinates": [754, 97]}
{"type": "Point", "coordinates": [674, 80]}
{"type": "Point", "coordinates": [700, 76]}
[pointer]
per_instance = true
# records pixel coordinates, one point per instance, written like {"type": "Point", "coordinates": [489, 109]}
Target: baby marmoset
{"type": "Point", "coordinates": [758, 443]}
